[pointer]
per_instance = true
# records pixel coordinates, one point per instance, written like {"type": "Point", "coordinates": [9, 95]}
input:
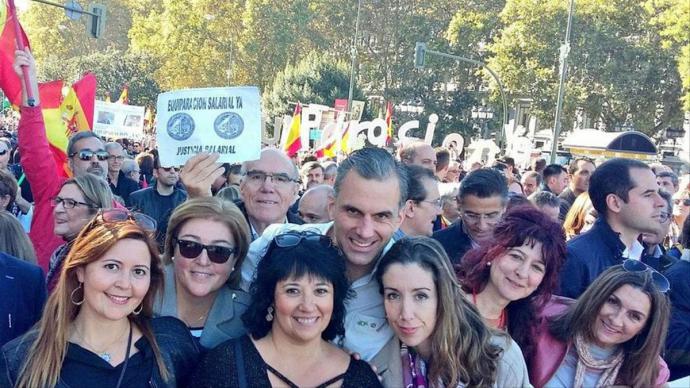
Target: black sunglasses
{"type": "Point", "coordinates": [3, 152]}
{"type": "Point", "coordinates": [120, 215]}
{"type": "Point", "coordinates": [87, 155]}
{"type": "Point", "coordinates": [216, 253]}
{"type": "Point", "coordinates": [659, 280]}
{"type": "Point", "coordinates": [292, 239]}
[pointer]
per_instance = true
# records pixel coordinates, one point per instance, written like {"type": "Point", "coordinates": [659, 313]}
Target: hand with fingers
{"type": "Point", "coordinates": [198, 174]}
{"type": "Point", "coordinates": [21, 59]}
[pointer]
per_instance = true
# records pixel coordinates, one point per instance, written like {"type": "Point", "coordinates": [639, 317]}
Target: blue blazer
{"type": "Point", "coordinates": [22, 296]}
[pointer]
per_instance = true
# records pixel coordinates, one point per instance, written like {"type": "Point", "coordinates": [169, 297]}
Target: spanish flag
{"type": "Point", "coordinates": [294, 140]}
{"type": "Point", "coordinates": [9, 81]}
{"type": "Point", "coordinates": [65, 116]}
{"type": "Point", "coordinates": [345, 139]}
{"type": "Point", "coordinates": [327, 150]}
{"type": "Point", "coordinates": [124, 96]}
{"type": "Point", "coordinates": [389, 123]}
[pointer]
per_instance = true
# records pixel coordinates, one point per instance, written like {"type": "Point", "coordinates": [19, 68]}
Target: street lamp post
{"type": "Point", "coordinates": [353, 57]}
{"type": "Point", "coordinates": [420, 53]}
{"type": "Point", "coordinates": [565, 50]}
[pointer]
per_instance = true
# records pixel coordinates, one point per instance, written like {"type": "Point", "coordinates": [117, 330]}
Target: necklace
{"type": "Point", "coordinates": [104, 355]}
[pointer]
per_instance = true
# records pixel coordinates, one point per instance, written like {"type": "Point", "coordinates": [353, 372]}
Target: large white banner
{"type": "Point", "coordinates": [226, 121]}
{"type": "Point", "coordinates": [116, 121]}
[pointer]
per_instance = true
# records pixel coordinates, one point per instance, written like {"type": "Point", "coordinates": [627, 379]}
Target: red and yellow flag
{"type": "Point", "coordinates": [294, 140]}
{"type": "Point", "coordinates": [124, 96]}
{"type": "Point", "coordinates": [345, 139]}
{"type": "Point", "coordinates": [389, 123]}
{"type": "Point", "coordinates": [64, 117]}
{"type": "Point", "coordinates": [9, 81]}
{"type": "Point", "coordinates": [327, 150]}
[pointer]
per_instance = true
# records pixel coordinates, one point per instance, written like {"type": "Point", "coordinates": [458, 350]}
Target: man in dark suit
{"type": "Point", "coordinates": [22, 296]}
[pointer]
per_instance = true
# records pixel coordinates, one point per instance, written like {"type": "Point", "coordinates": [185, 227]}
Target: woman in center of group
{"type": "Point", "coordinates": [442, 340]}
{"type": "Point", "coordinates": [513, 276]}
{"type": "Point", "coordinates": [298, 306]}
{"type": "Point", "coordinates": [206, 241]}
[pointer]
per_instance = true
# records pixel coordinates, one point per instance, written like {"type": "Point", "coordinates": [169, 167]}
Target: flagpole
{"type": "Point", "coordinates": [31, 100]}
{"type": "Point", "coordinates": [353, 54]}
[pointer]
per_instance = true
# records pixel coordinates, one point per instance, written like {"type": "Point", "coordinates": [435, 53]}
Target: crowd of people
{"type": "Point", "coordinates": [416, 269]}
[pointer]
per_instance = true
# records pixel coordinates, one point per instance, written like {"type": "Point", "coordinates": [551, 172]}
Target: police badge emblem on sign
{"type": "Point", "coordinates": [226, 121]}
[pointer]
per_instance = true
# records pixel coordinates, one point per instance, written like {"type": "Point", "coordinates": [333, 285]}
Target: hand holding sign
{"type": "Point", "coordinates": [199, 173]}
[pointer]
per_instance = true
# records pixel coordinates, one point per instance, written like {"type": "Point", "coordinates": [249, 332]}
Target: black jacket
{"type": "Point", "coordinates": [180, 355]}
{"type": "Point", "coordinates": [567, 197]}
{"type": "Point", "coordinates": [125, 186]}
{"type": "Point", "coordinates": [149, 202]}
{"type": "Point", "coordinates": [677, 353]}
{"type": "Point", "coordinates": [455, 241]}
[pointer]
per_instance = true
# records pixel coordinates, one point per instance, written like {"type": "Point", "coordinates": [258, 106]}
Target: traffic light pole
{"type": "Point", "coordinates": [67, 8]}
{"type": "Point", "coordinates": [420, 57]}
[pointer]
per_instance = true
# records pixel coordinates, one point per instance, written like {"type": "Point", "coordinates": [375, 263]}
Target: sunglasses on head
{"type": "Point", "coordinates": [120, 215]}
{"type": "Point", "coordinates": [292, 239]}
{"type": "Point", "coordinates": [659, 280]}
{"type": "Point", "coordinates": [3, 152]}
{"type": "Point", "coordinates": [216, 253]}
{"type": "Point", "coordinates": [87, 155]}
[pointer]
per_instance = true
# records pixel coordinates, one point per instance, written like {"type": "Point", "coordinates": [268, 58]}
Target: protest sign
{"type": "Point", "coordinates": [226, 121]}
{"type": "Point", "coordinates": [115, 121]}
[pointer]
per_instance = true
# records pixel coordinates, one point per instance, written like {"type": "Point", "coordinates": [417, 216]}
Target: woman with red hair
{"type": "Point", "coordinates": [510, 278]}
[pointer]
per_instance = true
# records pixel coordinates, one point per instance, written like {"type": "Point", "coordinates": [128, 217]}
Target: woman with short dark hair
{"type": "Point", "coordinates": [298, 305]}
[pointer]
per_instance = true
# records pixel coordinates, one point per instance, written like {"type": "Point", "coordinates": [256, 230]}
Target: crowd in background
{"type": "Point", "coordinates": [413, 269]}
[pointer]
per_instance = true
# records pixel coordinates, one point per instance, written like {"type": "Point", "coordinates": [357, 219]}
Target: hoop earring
{"type": "Point", "coordinates": [269, 315]}
{"type": "Point", "coordinates": [141, 307]}
{"type": "Point", "coordinates": [71, 296]}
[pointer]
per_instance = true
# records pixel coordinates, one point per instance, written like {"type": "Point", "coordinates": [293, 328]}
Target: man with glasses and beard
{"type": "Point", "coordinates": [482, 199]}
{"type": "Point", "coordinates": [160, 200]}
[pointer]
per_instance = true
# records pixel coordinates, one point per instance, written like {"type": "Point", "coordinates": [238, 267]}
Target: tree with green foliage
{"type": "Point", "coordinates": [113, 69]}
{"type": "Point", "coordinates": [617, 66]}
{"type": "Point", "coordinates": [316, 79]}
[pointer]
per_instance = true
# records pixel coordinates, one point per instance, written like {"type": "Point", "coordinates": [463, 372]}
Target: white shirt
{"type": "Point", "coordinates": [366, 328]}
{"type": "Point", "coordinates": [635, 251]}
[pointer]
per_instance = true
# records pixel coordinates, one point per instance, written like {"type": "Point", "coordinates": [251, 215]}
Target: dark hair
{"type": "Point", "coordinates": [685, 234]}
{"type": "Point", "coordinates": [8, 186]}
{"type": "Point", "coordinates": [521, 225]}
{"type": "Point", "coordinates": [669, 174]}
{"type": "Point", "coordinates": [484, 183]}
{"type": "Point", "coordinates": [145, 161]}
{"type": "Point", "coordinates": [515, 200]}
{"type": "Point", "coordinates": [507, 160]}
{"type": "Point", "coordinates": [612, 177]}
{"type": "Point", "coordinates": [442, 158]}
{"type": "Point", "coordinates": [415, 179]}
{"type": "Point", "coordinates": [545, 198]}
{"type": "Point", "coordinates": [235, 169]}
{"type": "Point", "coordinates": [552, 170]}
{"type": "Point", "coordinates": [314, 258]}
{"type": "Point", "coordinates": [640, 366]}
{"type": "Point", "coordinates": [79, 136]}
{"type": "Point", "coordinates": [538, 164]}
{"type": "Point", "coordinates": [373, 163]}
{"type": "Point", "coordinates": [461, 346]}
{"type": "Point", "coordinates": [533, 174]}
{"type": "Point", "coordinates": [572, 167]}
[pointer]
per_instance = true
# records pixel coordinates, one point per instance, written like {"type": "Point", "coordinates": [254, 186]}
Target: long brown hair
{"type": "Point", "coordinates": [641, 364]}
{"type": "Point", "coordinates": [47, 353]}
{"type": "Point", "coordinates": [461, 346]}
